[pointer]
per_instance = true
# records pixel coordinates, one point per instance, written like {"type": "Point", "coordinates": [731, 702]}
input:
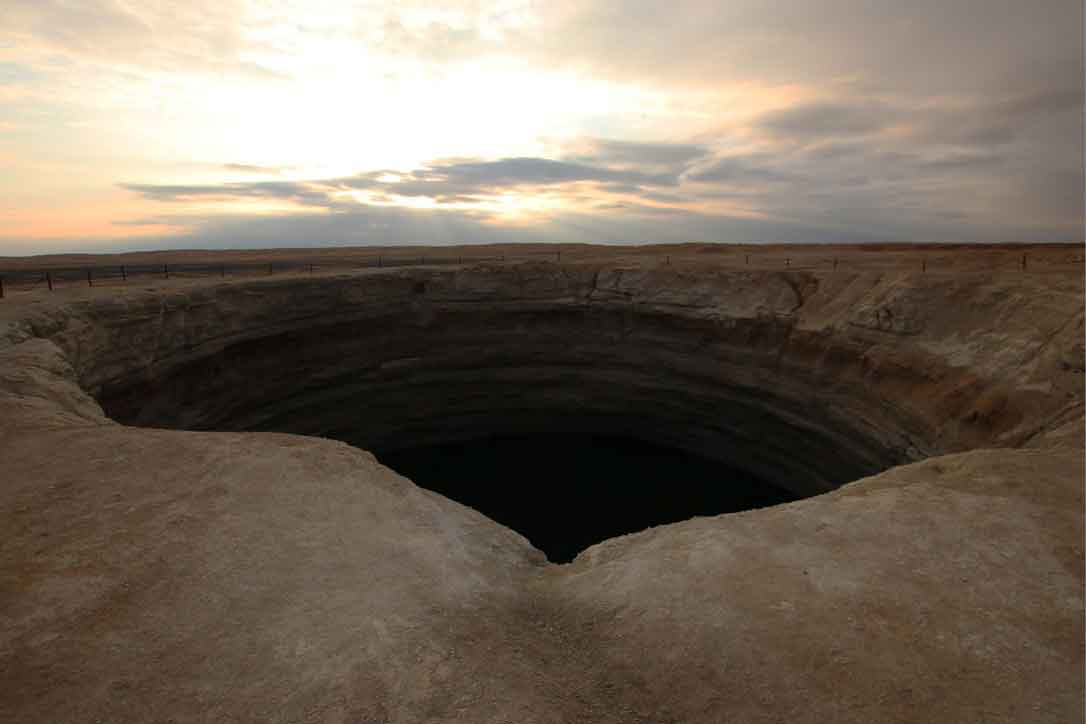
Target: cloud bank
{"type": "Point", "coordinates": [697, 120]}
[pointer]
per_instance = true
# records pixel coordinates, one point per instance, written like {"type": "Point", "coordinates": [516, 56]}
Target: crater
{"type": "Point", "coordinates": [256, 575]}
{"type": "Point", "coordinates": [571, 412]}
{"type": "Point", "coordinates": [646, 395]}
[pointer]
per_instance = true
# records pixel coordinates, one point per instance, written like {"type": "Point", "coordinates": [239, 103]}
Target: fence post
{"type": "Point", "coordinates": [1, 287]}
{"type": "Point", "coordinates": [90, 281]}
{"type": "Point", "coordinates": [269, 269]}
{"type": "Point", "coordinates": [559, 255]}
{"type": "Point", "coordinates": [222, 270]}
{"type": "Point", "coordinates": [166, 271]}
{"type": "Point", "coordinates": [667, 260]}
{"type": "Point", "coordinates": [787, 261]}
{"type": "Point", "coordinates": [835, 263]}
{"type": "Point", "coordinates": [747, 262]}
{"type": "Point", "coordinates": [310, 268]}
{"type": "Point", "coordinates": [1024, 262]}
{"type": "Point", "coordinates": [124, 274]}
{"type": "Point", "coordinates": [923, 265]}
{"type": "Point", "coordinates": [49, 280]}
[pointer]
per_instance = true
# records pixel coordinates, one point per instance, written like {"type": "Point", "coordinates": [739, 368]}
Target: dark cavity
{"type": "Point", "coordinates": [567, 491]}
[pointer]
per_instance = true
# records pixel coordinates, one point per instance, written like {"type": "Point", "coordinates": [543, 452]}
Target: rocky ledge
{"type": "Point", "coordinates": [222, 571]}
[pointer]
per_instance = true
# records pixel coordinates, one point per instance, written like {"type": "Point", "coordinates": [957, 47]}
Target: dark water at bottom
{"type": "Point", "coordinates": [565, 492]}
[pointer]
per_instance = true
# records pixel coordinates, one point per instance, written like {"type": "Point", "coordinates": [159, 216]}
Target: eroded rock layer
{"type": "Point", "coordinates": [808, 380]}
{"type": "Point", "coordinates": [155, 575]}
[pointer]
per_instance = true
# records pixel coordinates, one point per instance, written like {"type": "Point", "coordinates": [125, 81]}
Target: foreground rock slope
{"type": "Point", "coordinates": [189, 575]}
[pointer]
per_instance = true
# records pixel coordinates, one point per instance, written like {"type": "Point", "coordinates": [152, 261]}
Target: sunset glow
{"type": "Point", "coordinates": [129, 124]}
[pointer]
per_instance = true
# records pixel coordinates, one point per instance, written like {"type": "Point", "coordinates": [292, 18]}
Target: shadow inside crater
{"type": "Point", "coordinates": [567, 491]}
{"type": "Point", "coordinates": [536, 415]}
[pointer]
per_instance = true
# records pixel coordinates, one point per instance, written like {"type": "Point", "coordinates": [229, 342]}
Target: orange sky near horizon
{"type": "Point", "coordinates": [158, 124]}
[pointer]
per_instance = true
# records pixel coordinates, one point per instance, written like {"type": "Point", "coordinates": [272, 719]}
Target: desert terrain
{"type": "Point", "coordinates": [188, 537]}
{"type": "Point", "coordinates": [1062, 258]}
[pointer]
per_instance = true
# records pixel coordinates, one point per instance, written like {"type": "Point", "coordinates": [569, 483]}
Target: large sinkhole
{"type": "Point", "coordinates": [569, 424]}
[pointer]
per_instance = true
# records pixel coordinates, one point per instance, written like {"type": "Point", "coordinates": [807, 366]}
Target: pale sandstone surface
{"type": "Point", "coordinates": [160, 575]}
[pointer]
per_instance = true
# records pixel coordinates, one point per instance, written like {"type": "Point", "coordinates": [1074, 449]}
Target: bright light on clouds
{"type": "Point", "coordinates": [159, 123]}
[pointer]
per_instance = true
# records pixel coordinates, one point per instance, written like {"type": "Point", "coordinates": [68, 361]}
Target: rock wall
{"type": "Point", "coordinates": [807, 379]}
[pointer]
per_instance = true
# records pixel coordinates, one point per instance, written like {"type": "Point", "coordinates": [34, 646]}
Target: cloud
{"type": "Point", "coordinates": [196, 36]}
{"type": "Point", "coordinates": [17, 74]}
{"type": "Point", "coordinates": [904, 186]}
{"type": "Point", "coordinates": [759, 168]}
{"type": "Point", "coordinates": [998, 120]}
{"type": "Point", "coordinates": [509, 172]}
{"type": "Point", "coordinates": [442, 180]}
{"type": "Point", "coordinates": [306, 194]}
{"type": "Point", "coordinates": [663, 197]}
{"type": "Point", "coordinates": [248, 168]}
{"type": "Point", "coordinates": [617, 167]}
{"type": "Point", "coordinates": [1051, 194]}
{"type": "Point", "coordinates": [84, 27]}
{"type": "Point", "coordinates": [826, 120]}
{"type": "Point", "coordinates": [622, 223]}
{"type": "Point", "coordinates": [904, 48]}
{"type": "Point", "coordinates": [637, 154]}
{"type": "Point", "coordinates": [366, 224]}
{"type": "Point", "coordinates": [435, 41]}
{"type": "Point", "coordinates": [1053, 100]}
{"type": "Point", "coordinates": [959, 161]}
{"type": "Point", "coordinates": [951, 118]}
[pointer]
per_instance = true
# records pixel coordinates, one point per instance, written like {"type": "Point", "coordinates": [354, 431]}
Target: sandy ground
{"type": "Point", "coordinates": [70, 270]}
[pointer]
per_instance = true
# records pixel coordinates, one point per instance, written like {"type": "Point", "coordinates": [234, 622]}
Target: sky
{"type": "Point", "coordinates": [147, 124]}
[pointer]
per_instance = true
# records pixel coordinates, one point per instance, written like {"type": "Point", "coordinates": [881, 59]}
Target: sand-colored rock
{"type": "Point", "coordinates": [165, 575]}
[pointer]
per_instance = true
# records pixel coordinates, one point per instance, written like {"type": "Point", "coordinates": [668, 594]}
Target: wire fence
{"type": "Point", "coordinates": [56, 277]}
{"type": "Point", "coordinates": [65, 276]}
